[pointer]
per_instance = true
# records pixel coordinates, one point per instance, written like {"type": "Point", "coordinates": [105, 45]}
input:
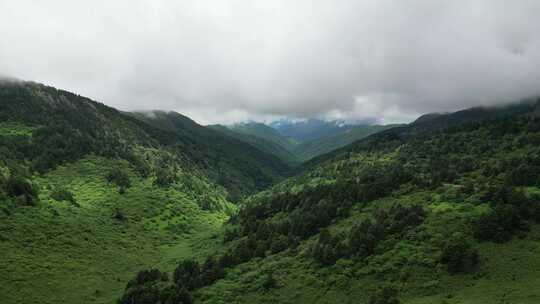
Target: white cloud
{"type": "Point", "coordinates": [222, 61]}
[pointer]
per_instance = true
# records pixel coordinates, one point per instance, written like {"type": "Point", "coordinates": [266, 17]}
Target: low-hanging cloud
{"type": "Point", "coordinates": [224, 61]}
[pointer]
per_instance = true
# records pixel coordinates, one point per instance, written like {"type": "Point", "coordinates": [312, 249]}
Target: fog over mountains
{"type": "Point", "coordinates": [278, 152]}
{"type": "Point", "coordinates": [230, 61]}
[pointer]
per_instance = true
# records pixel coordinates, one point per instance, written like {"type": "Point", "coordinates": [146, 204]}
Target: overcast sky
{"type": "Point", "coordinates": [225, 61]}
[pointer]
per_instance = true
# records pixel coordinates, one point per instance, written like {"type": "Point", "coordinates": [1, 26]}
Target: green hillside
{"type": "Point", "coordinates": [240, 167]}
{"type": "Point", "coordinates": [69, 126]}
{"type": "Point", "coordinates": [421, 214]}
{"type": "Point", "coordinates": [82, 250]}
{"type": "Point", "coordinates": [262, 143]}
{"type": "Point", "coordinates": [263, 131]}
{"type": "Point", "coordinates": [269, 140]}
{"type": "Point", "coordinates": [88, 195]}
{"type": "Point", "coordinates": [310, 149]}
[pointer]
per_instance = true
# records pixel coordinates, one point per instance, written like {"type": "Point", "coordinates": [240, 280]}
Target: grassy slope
{"type": "Point", "coordinates": [59, 253]}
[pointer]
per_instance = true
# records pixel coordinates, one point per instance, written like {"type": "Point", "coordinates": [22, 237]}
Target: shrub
{"type": "Point", "coordinates": [211, 271]}
{"type": "Point", "coordinates": [269, 282]}
{"type": "Point", "coordinates": [62, 194]}
{"type": "Point", "coordinates": [148, 288]}
{"type": "Point", "coordinates": [384, 295]}
{"type": "Point", "coordinates": [22, 189]}
{"type": "Point", "coordinates": [147, 276]}
{"type": "Point", "coordinates": [187, 274]}
{"type": "Point", "coordinates": [120, 178]}
{"type": "Point", "coordinates": [499, 224]}
{"type": "Point", "coordinates": [328, 248]}
{"type": "Point", "coordinates": [459, 256]}
{"type": "Point", "coordinates": [364, 237]}
{"type": "Point", "coordinates": [176, 295]}
{"type": "Point", "coordinates": [119, 215]}
{"type": "Point", "coordinates": [524, 175]}
{"type": "Point", "coordinates": [279, 243]}
{"type": "Point", "coordinates": [141, 294]}
{"type": "Point", "coordinates": [164, 178]}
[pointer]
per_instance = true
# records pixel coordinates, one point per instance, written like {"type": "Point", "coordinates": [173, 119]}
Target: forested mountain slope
{"type": "Point", "coordinates": [448, 216]}
{"type": "Point", "coordinates": [68, 127]}
{"type": "Point", "coordinates": [313, 148]}
{"type": "Point", "coordinates": [326, 137]}
{"type": "Point", "coordinates": [263, 131]}
{"type": "Point", "coordinates": [311, 129]}
{"type": "Point", "coordinates": [262, 143]}
{"type": "Point", "coordinates": [88, 194]}
{"type": "Point", "coordinates": [237, 165]}
{"type": "Point", "coordinates": [433, 123]}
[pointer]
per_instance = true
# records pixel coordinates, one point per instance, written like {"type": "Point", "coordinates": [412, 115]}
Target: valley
{"type": "Point", "coordinates": [273, 152]}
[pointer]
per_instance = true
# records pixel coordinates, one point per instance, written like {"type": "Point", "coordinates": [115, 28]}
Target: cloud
{"type": "Point", "coordinates": [224, 61]}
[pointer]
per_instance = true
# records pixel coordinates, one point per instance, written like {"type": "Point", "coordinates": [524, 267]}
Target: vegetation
{"type": "Point", "coordinates": [58, 127]}
{"type": "Point", "coordinates": [120, 178]}
{"type": "Point", "coordinates": [238, 166]}
{"type": "Point", "coordinates": [312, 129]}
{"type": "Point", "coordinates": [58, 251]}
{"type": "Point", "coordinates": [323, 137]}
{"type": "Point", "coordinates": [320, 146]}
{"type": "Point", "coordinates": [63, 194]}
{"type": "Point", "coordinates": [259, 137]}
{"type": "Point", "coordinates": [388, 211]}
{"type": "Point", "coordinates": [97, 206]}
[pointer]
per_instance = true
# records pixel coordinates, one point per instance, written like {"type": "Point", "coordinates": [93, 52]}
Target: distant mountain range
{"type": "Point", "coordinates": [311, 129]}
{"type": "Point", "coordinates": [263, 138]}
{"type": "Point", "coordinates": [298, 141]}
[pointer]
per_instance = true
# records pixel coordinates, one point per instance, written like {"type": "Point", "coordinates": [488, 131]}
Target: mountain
{"type": "Point", "coordinates": [313, 148]}
{"type": "Point", "coordinates": [72, 126]}
{"type": "Point", "coordinates": [239, 166]}
{"type": "Point", "coordinates": [262, 142]}
{"type": "Point", "coordinates": [103, 206]}
{"type": "Point", "coordinates": [269, 140]}
{"type": "Point", "coordinates": [443, 210]}
{"type": "Point", "coordinates": [89, 194]}
{"type": "Point", "coordinates": [311, 129]}
{"type": "Point", "coordinates": [266, 132]}
{"type": "Point", "coordinates": [437, 122]}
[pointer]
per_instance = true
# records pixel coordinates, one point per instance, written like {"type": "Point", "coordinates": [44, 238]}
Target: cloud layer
{"type": "Point", "coordinates": [224, 61]}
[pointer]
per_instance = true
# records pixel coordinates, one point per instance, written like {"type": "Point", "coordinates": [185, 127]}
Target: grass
{"type": "Point", "coordinates": [60, 253]}
{"type": "Point", "coordinates": [15, 129]}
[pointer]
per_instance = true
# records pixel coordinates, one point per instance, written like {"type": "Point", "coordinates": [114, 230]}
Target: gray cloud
{"type": "Point", "coordinates": [224, 61]}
